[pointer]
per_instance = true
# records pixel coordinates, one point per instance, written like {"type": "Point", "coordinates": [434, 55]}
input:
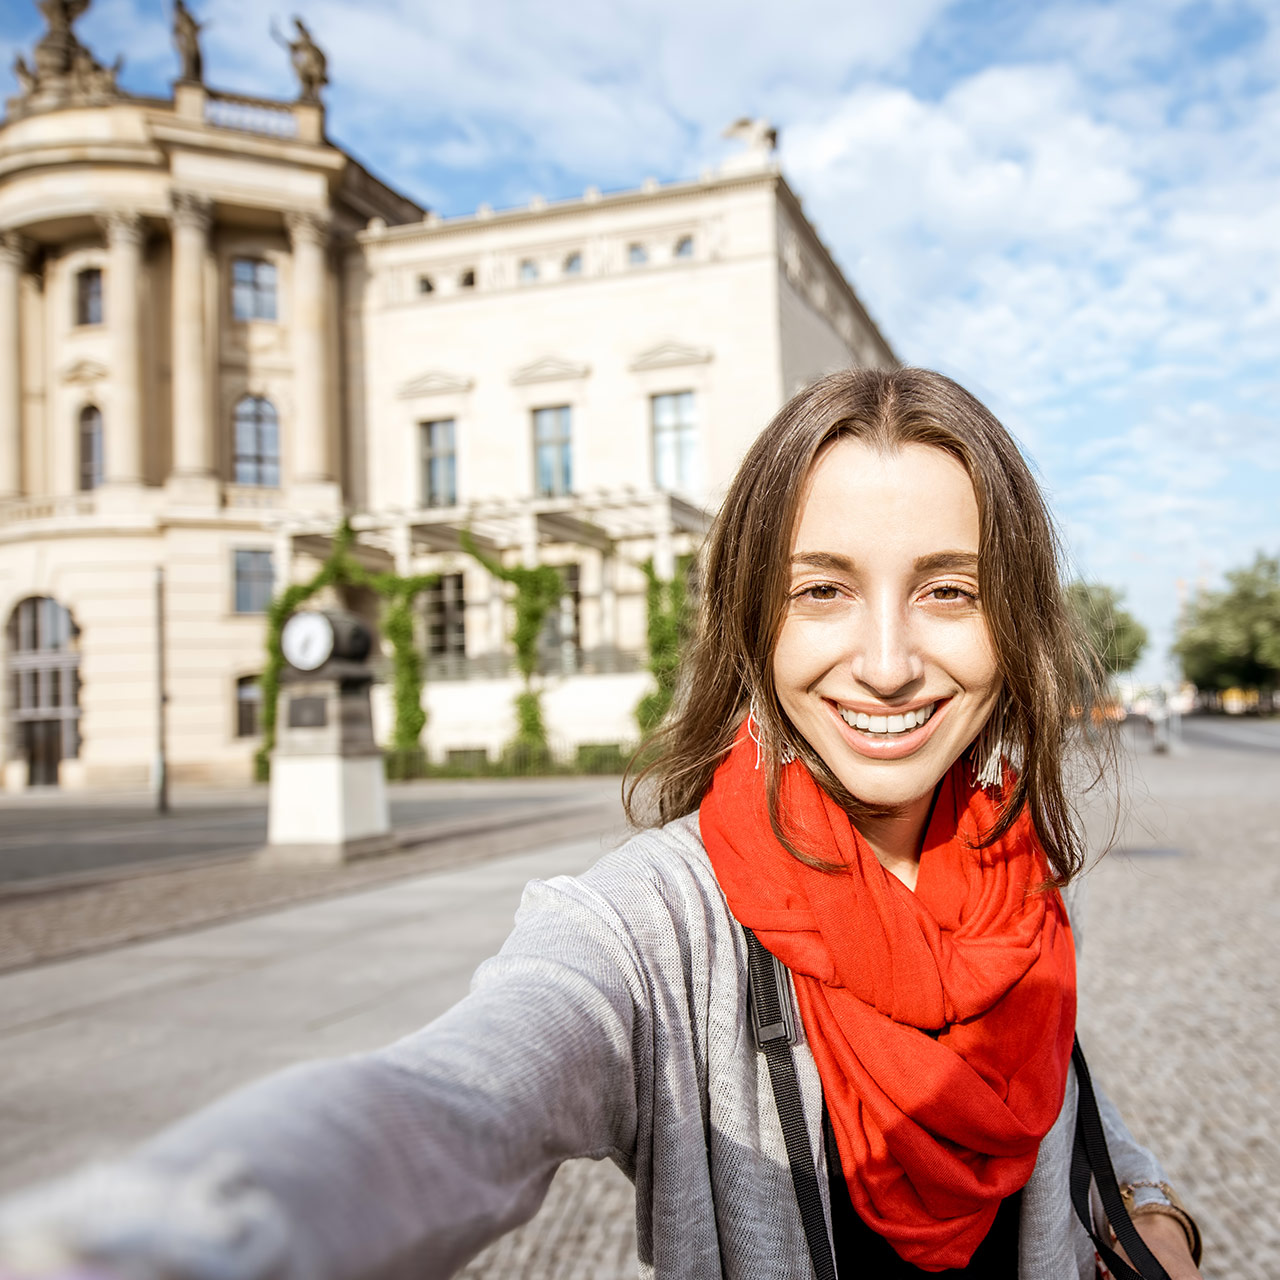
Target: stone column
{"type": "Point", "coordinates": [122, 448]}
{"type": "Point", "coordinates": [664, 552]}
{"type": "Point", "coordinates": [13, 255]}
{"type": "Point", "coordinates": [608, 604]}
{"type": "Point", "coordinates": [312, 456]}
{"type": "Point", "coordinates": [193, 452]}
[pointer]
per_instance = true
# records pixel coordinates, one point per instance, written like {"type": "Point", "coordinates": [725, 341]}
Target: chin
{"type": "Point", "coordinates": [888, 784]}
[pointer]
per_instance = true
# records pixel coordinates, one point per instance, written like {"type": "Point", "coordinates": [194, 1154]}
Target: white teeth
{"type": "Point", "coordinates": [903, 723]}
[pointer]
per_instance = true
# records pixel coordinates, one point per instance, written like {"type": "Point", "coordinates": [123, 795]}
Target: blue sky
{"type": "Point", "coordinates": [1072, 208]}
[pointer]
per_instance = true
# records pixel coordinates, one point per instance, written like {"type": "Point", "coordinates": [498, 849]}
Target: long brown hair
{"type": "Point", "coordinates": [1047, 671]}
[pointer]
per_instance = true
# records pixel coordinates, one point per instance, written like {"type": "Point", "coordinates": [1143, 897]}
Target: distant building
{"type": "Point", "coordinates": [219, 333]}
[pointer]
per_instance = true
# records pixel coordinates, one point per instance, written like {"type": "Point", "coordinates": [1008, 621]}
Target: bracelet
{"type": "Point", "coordinates": [1171, 1206]}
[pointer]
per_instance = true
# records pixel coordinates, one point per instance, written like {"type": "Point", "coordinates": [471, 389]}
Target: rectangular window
{"type": "Point", "coordinates": [89, 296]}
{"type": "Point", "coordinates": [248, 706]}
{"type": "Point", "coordinates": [446, 618]}
{"type": "Point", "coordinates": [253, 289]}
{"type": "Point", "coordinates": [254, 581]}
{"type": "Point", "coordinates": [674, 441]}
{"type": "Point", "coordinates": [439, 463]}
{"type": "Point", "coordinates": [91, 464]}
{"type": "Point", "coordinates": [561, 637]}
{"type": "Point", "coordinates": [552, 451]}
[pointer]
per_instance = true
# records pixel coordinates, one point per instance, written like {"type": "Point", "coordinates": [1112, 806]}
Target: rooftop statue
{"type": "Point", "coordinates": [309, 62]}
{"type": "Point", "coordinates": [63, 71]}
{"type": "Point", "coordinates": [186, 35]}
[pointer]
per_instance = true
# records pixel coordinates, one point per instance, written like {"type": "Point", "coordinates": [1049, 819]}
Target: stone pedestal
{"type": "Point", "coordinates": [328, 790]}
{"type": "Point", "coordinates": [315, 799]}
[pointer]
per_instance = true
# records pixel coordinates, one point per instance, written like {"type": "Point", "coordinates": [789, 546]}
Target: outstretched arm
{"type": "Point", "coordinates": [404, 1162]}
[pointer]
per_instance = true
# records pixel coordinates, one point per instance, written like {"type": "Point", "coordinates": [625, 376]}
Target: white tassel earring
{"type": "Point", "coordinates": [989, 752]}
{"type": "Point", "coordinates": [785, 754]}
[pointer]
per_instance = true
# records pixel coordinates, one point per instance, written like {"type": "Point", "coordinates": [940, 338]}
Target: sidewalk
{"type": "Point", "coordinates": [69, 915]}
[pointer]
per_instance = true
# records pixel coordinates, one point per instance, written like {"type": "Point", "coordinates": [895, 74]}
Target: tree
{"type": "Point", "coordinates": [1231, 639]}
{"type": "Point", "coordinates": [1114, 634]}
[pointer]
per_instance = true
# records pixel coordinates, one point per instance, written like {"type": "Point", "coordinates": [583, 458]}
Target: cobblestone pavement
{"type": "Point", "coordinates": [1179, 974]}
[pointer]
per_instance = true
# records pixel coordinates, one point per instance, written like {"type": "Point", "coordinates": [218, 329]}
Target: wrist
{"type": "Point", "coordinates": [1153, 1203]}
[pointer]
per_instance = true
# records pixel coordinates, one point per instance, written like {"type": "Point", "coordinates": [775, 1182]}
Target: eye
{"type": "Point", "coordinates": [950, 592]}
{"type": "Point", "coordinates": [818, 591]}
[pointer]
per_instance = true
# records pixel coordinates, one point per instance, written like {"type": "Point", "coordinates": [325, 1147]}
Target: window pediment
{"type": "Point", "coordinates": [669, 355]}
{"type": "Point", "coordinates": [84, 373]}
{"type": "Point", "coordinates": [549, 369]}
{"type": "Point", "coordinates": [434, 382]}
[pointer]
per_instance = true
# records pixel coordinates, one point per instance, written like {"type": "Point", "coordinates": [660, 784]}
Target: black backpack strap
{"type": "Point", "coordinates": [1090, 1160]}
{"type": "Point", "coordinates": [774, 1028]}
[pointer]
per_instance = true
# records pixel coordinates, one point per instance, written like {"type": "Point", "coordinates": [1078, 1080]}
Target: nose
{"type": "Point", "coordinates": [886, 657]}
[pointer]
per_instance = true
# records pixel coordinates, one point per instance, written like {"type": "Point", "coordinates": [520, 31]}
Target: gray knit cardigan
{"type": "Point", "coordinates": [613, 1023]}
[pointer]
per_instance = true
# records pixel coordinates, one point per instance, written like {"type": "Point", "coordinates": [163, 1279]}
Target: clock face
{"type": "Point", "coordinates": [307, 640]}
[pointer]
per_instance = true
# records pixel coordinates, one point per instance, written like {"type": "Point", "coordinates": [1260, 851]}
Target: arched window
{"type": "Point", "coordinates": [44, 687]}
{"type": "Point", "coordinates": [90, 447]}
{"type": "Point", "coordinates": [257, 459]}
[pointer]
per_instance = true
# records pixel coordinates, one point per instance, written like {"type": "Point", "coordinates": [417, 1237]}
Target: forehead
{"type": "Point", "coordinates": [861, 500]}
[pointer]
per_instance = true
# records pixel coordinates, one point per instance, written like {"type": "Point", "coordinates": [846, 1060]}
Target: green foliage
{"type": "Point", "coordinates": [1231, 639]}
{"type": "Point", "coordinates": [667, 608]}
{"type": "Point", "coordinates": [538, 591]}
{"type": "Point", "coordinates": [1115, 635]}
{"type": "Point", "coordinates": [530, 729]}
{"type": "Point", "coordinates": [600, 757]}
{"type": "Point", "coordinates": [397, 593]}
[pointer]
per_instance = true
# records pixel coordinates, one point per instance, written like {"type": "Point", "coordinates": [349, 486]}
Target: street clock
{"type": "Point", "coordinates": [307, 640]}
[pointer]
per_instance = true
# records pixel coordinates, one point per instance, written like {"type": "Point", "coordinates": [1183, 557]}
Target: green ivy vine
{"type": "Point", "coordinates": [538, 591]}
{"type": "Point", "coordinates": [667, 614]}
{"type": "Point", "coordinates": [397, 593]}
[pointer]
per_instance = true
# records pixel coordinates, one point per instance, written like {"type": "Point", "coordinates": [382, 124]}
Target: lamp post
{"type": "Point", "coordinates": [162, 697]}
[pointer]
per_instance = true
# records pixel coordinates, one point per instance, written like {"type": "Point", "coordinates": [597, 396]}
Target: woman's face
{"type": "Point", "coordinates": [884, 663]}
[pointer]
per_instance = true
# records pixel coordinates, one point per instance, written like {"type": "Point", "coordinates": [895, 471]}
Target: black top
{"type": "Point", "coordinates": [861, 1252]}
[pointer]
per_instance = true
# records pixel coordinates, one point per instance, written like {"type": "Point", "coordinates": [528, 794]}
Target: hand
{"type": "Point", "coordinates": [1165, 1238]}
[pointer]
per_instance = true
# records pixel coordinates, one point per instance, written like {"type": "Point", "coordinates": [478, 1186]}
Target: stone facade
{"type": "Point", "coordinates": [219, 333]}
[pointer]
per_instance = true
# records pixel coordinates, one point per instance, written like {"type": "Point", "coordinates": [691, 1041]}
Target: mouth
{"type": "Point", "coordinates": [890, 726]}
{"type": "Point", "coordinates": [890, 736]}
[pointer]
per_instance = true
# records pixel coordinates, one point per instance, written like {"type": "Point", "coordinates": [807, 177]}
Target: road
{"type": "Point", "coordinates": [1178, 974]}
{"type": "Point", "coordinates": [48, 834]}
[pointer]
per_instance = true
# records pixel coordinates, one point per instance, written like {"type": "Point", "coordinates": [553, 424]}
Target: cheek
{"type": "Point", "coordinates": [971, 657]}
{"type": "Point", "coordinates": [798, 657]}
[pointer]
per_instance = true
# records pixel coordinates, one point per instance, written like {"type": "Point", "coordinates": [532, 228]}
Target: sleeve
{"type": "Point", "coordinates": [399, 1163]}
{"type": "Point", "coordinates": [1131, 1161]}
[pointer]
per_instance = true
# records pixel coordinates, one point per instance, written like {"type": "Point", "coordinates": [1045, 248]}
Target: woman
{"type": "Point", "coordinates": [866, 771]}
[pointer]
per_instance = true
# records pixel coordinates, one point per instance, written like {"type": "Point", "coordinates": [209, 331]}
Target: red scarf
{"type": "Point", "coordinates": [934, 1130]}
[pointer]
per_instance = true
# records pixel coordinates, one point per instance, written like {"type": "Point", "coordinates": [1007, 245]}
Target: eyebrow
{"type": "Point", "coordinates": [957, 561]}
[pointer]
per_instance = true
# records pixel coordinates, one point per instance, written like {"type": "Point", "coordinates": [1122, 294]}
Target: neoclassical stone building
{"type": "Point", "coordinates": [219, 333]}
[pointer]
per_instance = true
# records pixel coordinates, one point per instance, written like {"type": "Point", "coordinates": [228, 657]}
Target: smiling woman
{"type": "Point", "coordinates": [822, 1013]}
{"type": "Point", "coordinates": [886, 524]}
